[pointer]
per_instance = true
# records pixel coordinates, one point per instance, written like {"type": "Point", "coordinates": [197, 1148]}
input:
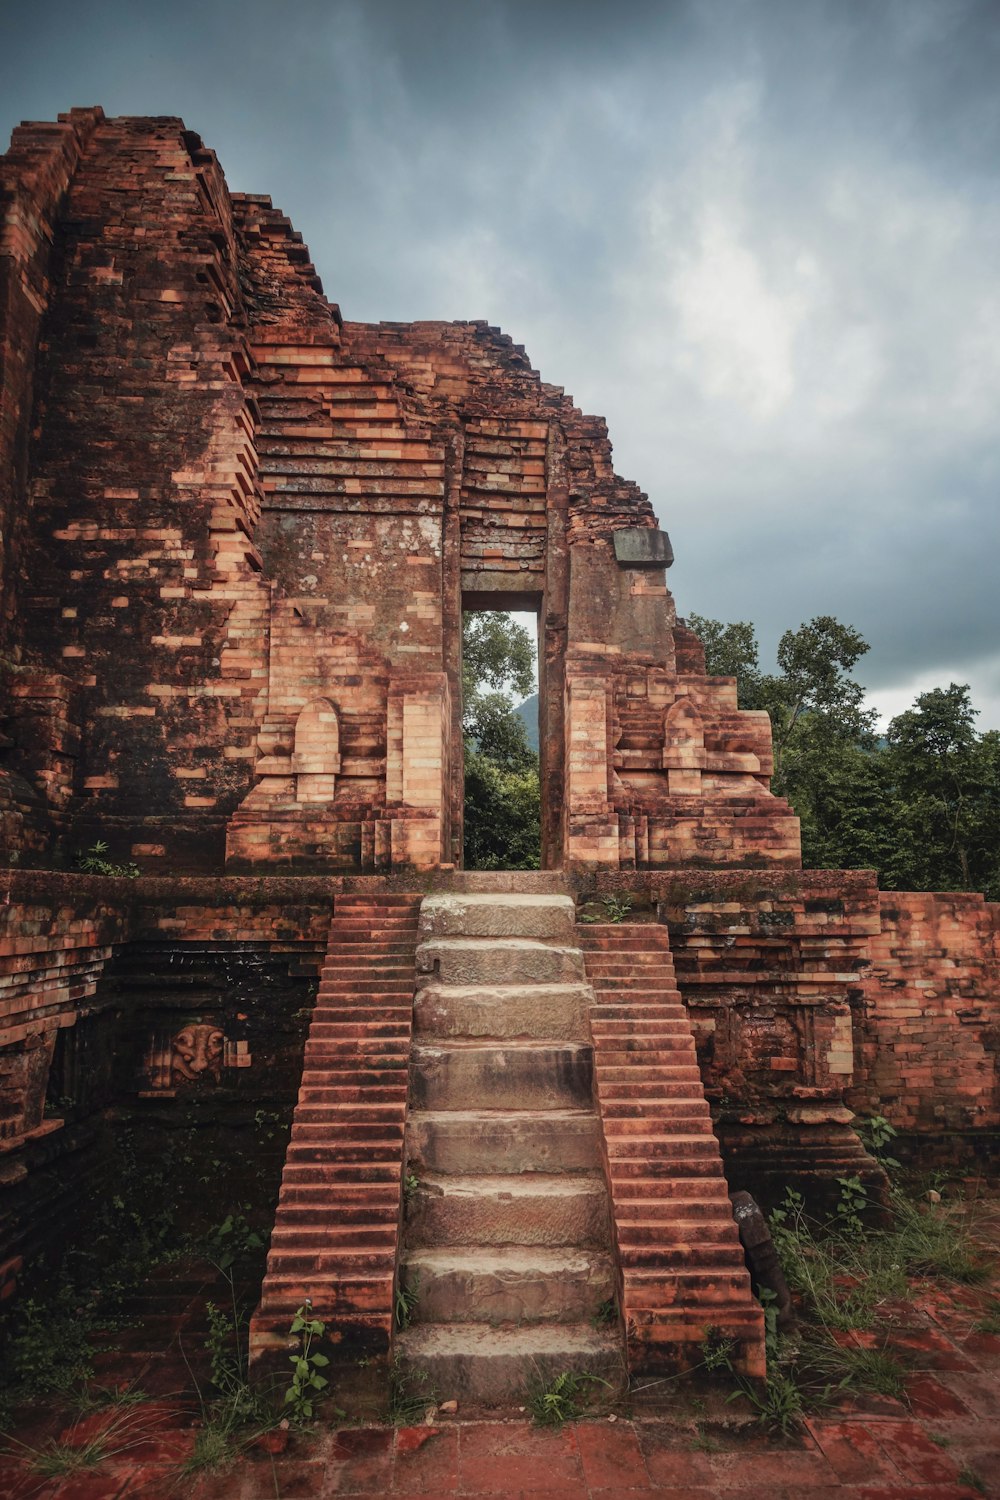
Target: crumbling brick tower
{"type": "Point", "coordinates": [241, 532]}
{"type": "Point", "coordinates": [237, 535]}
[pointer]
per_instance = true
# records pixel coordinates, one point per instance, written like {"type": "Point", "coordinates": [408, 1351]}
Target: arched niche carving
{"type": "Point", "coordinates": [316, 752]}
{"type": "Point", "coordinates": [683, 746]}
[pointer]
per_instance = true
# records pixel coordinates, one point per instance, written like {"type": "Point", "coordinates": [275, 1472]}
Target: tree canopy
{"type": "Point", "coordinates": [921, 806]}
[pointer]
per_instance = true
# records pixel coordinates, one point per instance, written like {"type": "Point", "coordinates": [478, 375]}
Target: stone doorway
{"type": "Point", "coordinates": [499, 768]}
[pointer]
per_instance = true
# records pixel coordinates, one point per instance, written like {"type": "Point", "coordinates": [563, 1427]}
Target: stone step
{"type": "Point", "coordinates": [638, 1199]}
{"type": "Point", "coordinates": [303, 1234]}
{"type": "Point", "coordinates": [307, 1262]}
{"type": "Point", "coordinates": [498, 961]}
{"type": "Point", "coordinates": [506, 882]}
{"type": "Point", "coordinates": [597, 944]}
{"type": "Point", "coordinates": [330, 1295]}
{"type": "Point", "coordinates": [360, 1020]}
{"type": "Point", "coordinates": [356, 1200]}
{"type": "Point", "coordinates": [687, 1228]}
{"type": "Point", "coordinates": [335, 1111]}
{"type": "Point", "coordinates": [495, 1367]}
{"type": "Point", "coordinates": [366, 1084]}
{"type": "Point", "coordinates": [689, 1116]}
{"type": "Point", "coordinates": [499, 914]}
{"type": "Point", "coordinates": [468, 1141]}
{"type": "Point", "coordinates": [319, 1090]}
{"type": "Point", "coordinates": [531, 1209]}
{"type": "Point", "coordinates": [688, 1288]}
{"type": "Point", "coordinates": [312, 1170]}
{"type": "Point", "coordinates": [670, 1144]}
{"type": "Point", "coordinates": [599, 961]}
{"type": "Point", "coordinates": [638, 1009]}
{"type": "Point", "coordinates": [508, 1284]}
{"type": "Point", "coordinates": [324, 1049]}
{"type": "Point", "coordinates": [693, 1267]}
{"type": "Point", "coordinates": [670, 1067]}
{"type": "Point", "coordinates": [674, 1165]}
{"type": "Point", "coordinates": [555, 1011]}
{"type": "Point", "coordinates": [617, 1085]}
{"type": "Point", "coordinates": [324, 1030]}
{"type": "Point", "coordinates": [515, 1075]}
{"type": "Point", "coordinates": [353, 929]}
{"type": "Point", "coordinates": [665, 1052]}
{"type": "Point", "coordinates": [346, 1134]}
{"type": "Point", "coordinates": [610, 1027]}
{"type": "Point", "coordinates": [318, 1214]}
{"type": "Point", "coordinates": [350, 944]}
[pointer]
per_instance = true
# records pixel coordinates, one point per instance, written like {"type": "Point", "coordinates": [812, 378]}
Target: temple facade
{"type": "Point", "coordinates": [237, 537]}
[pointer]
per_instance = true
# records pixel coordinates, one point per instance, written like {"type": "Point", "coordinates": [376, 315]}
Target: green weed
{"type": "Point", "coordinates": [409, 1395]}
{"type": "Point", "coordinates": [307, 1384]}
{"type": "Point", "coordinates": [605, 1313]}
{"type": "Point", "coordinates": [562, 1399]}
{"type": "Point", "coordinates": [94, 861]}
{"type": "Point", "coordinates": [407, 1296]}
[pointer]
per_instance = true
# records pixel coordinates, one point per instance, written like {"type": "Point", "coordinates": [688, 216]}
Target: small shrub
{"type": "Point", "coordinates": [94, 861]}
{"type": "Point", "coordinates": [616, 908]}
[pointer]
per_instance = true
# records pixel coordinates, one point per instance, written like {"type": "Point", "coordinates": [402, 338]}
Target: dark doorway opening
{"type": "Point", "coordinates": [502, 795]}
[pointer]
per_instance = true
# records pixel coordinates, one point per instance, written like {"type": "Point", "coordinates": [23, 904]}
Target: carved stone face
{"type": "Point", "coordinates": [197, 1050]}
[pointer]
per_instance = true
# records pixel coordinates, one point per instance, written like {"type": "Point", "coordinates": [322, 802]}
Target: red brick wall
{"type": "Point", "coordinates": [929, 1026]}
{"type": "Point", "coordinates": [34, 176]}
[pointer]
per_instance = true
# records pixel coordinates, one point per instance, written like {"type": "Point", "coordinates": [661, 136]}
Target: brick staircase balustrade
{"type": "Point", "coordinates": [337, 1225]}
{"type": "Point", "coordinates": [681, 1264]}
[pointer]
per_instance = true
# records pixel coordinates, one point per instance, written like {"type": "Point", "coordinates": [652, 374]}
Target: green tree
{"type": "Point", "coordinates": [731, 651]}
{"type": "Point", "coordinates": [946, 780]}
{"type": "Point", "coordinates": [502, 792]}
{"type": "Point", "coordinates": [922, 807]}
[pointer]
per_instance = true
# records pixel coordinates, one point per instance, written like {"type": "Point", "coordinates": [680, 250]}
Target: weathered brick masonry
{"type": "Point", "coordinates": [237, 535]}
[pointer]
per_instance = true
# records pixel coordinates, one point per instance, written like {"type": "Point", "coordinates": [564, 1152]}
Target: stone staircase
{"type": "Point", "coordinates": [507, 1243]}
{"type": "Point", "coordinates": [681, 1264]}
{"type": "Point", "coordinates": [335, 1236]}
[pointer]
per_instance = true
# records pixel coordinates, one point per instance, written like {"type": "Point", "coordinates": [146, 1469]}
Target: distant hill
{"type": "Point", "coordinates": [528, 711]}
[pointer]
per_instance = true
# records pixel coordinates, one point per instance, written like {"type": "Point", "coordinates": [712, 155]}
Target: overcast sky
{"type": "Point", "coordinates": [762, 239]}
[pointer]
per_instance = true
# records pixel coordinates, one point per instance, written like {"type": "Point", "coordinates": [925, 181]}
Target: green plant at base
{"type": "Point", "coordinates": [616, 908]}
{"type": "Point", "coordinates": [968, 1476]}
{"type": "Point", "coordinates": [852, 1204]}
{"type": "Point", "coordinates": [407, 1405]}
{"type": "Point", "coordinates": [605, 1313]}
{"type": "Point", "coordinates": [717, 1352]}
{"type": "Point", "coordinates": [407, 1297]}
{"type": "Point", "coordinates": [843, 1274]}
{"type": "Point", "coordinates": [59, 1457]}
{"type": "Point", "coordinates": [307, 1383]}
{"type": "Point", "coordinates": [778, 1403]}
{"type": "Point", "coordinates": [48, 1348]}
{"type": "Point", "coordinates": [92, 861]}
{"type": "Point", "coordinates": [231, 1241]}
{"type": "Point", "coordinates": [875, 1370]}
{"type": "Point", "coordinates": [410, 1185]}
{"type": "Point", "coordinates": [560, 1400]}
{"type": "Point", "coordinates": [876, 1133]}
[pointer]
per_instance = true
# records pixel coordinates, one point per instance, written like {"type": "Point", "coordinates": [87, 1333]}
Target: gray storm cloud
{"type": "Point", "coordinates": [761, 239]}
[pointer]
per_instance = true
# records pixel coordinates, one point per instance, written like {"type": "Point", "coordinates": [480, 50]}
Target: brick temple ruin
{"type": "Point", "coordinates": [238, 537]}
